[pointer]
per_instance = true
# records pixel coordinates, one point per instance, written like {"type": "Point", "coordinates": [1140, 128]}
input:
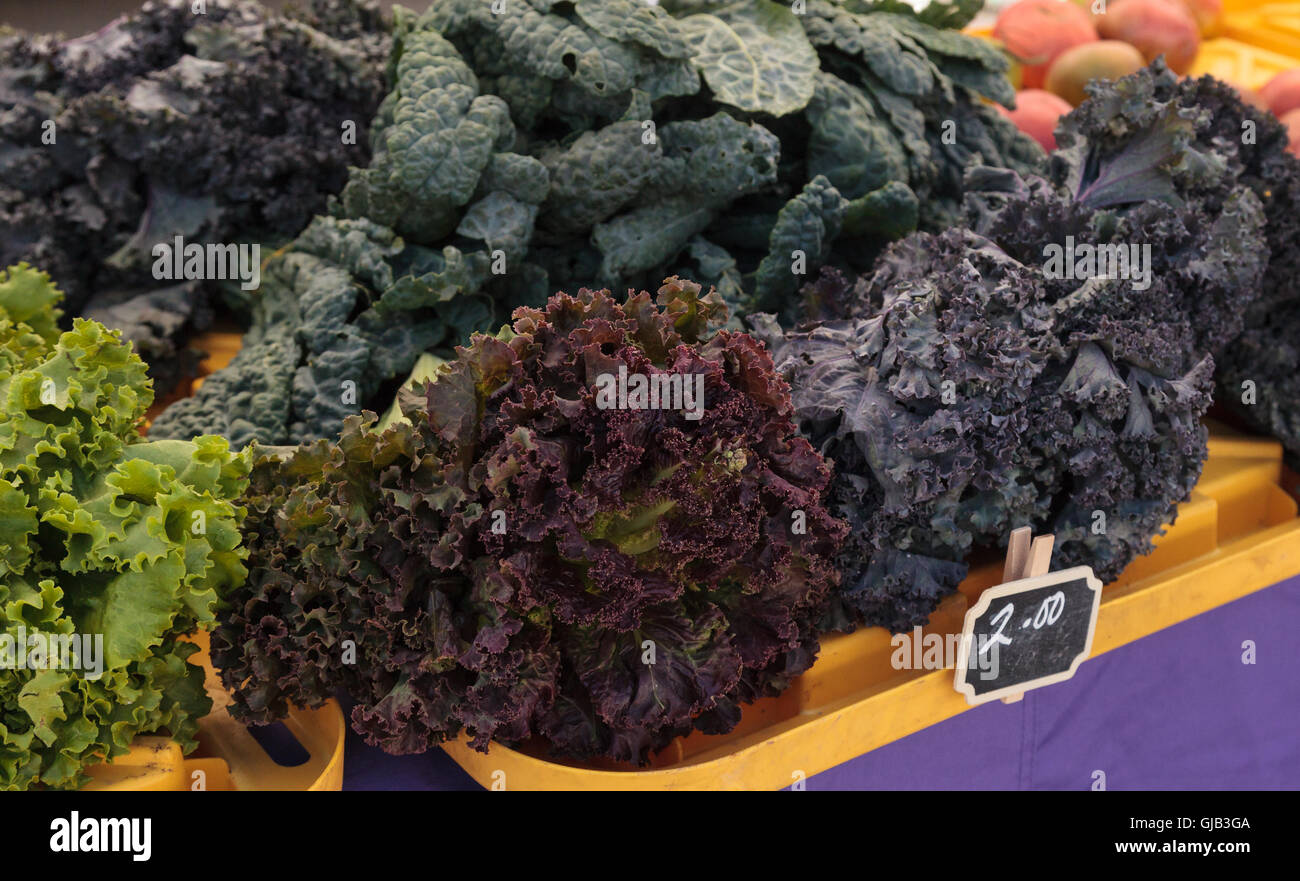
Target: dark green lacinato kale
{"type": "Point", "coordinates": [219, 127]}
{"type": "Point", "coordinates": [549, 145]}
{"type": "Point", "coordinates": [522, 556]}
{"type": "Point", "coordinates": [348, 307]}
{"type": "Point", "coordinates": [1002, 374]}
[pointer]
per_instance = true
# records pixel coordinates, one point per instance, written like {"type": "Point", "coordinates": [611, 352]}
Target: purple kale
{"type": "Point", "coordinates": [1213, 236]}
{"type": "Point", "coordinates": [1143, 162]}
{"type": "Point", "coordinates": [966, 394]}
{"type": "Point", "coordinates": [231, 125]}
{"type": "Point", "coordinates": [1258, 374]}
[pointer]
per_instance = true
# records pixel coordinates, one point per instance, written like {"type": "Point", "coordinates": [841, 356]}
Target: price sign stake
{"type": "Point", "coordinates": [1032, 630]}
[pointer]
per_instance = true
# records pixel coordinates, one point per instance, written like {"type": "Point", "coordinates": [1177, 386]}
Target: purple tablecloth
{"type": "Point", "coordinates": [1176, 710]}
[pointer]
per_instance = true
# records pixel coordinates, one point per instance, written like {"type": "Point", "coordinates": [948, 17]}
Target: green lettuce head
{"type": "Point", "coordinates": [111, 548]}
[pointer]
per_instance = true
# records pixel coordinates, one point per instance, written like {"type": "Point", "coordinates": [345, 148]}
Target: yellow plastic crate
{"type": "Point", "coordinates": [1238, 533]}
{"type": "Point", "coordinates": [228, 756]}
{"type": "Point", "coordinates": [1241, 63]}
{"type": "Point", "coordinates": [1271, 26]}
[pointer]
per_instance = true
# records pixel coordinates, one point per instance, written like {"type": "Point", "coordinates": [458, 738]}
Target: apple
{"type": "Point", "coordinates": [1036, 114]}
{"type": "Point", "coordinates": [1036, 31]}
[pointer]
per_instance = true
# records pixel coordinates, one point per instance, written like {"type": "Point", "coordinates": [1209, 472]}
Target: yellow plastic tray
{"type": "Point", "coordinates": [1270, 26]}
{"type": "Point", "coordinates": [221, 344]}
{"type": "Point", "coordinates": [228, 758]}
{"type": "Point", "coordinates": [1241, 63]}
{"type": "Point", "coordinates": [1238, 533]}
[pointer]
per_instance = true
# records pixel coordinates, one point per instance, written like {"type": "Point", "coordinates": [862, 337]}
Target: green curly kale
{"type": "Point", "coordinates": [111, 545]}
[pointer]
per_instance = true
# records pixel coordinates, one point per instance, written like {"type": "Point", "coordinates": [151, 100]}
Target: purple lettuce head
{"type": "Point", "coordinates": [541, 553]}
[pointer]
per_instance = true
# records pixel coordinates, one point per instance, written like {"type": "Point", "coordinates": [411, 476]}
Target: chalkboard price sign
{"type": "Point", "coordinates": [1027, 633]}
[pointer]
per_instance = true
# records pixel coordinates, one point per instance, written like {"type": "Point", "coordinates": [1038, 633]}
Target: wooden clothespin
{"type": "Point", "coordinates": [1025, 559]}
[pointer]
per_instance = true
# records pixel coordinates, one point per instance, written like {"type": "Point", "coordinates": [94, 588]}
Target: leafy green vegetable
{"type": "Point", "coordinates": [753, 55]}
{"type": "Point", "coordinates": [811, 219]}
{"type": "Point", "coordinates": [221, 127]}
{"type": "Point", "coordinates": [548, 145]}
{"type": "Point", "coordinates": [131, 544]}
{"type": "Point", "coordinates": [971, 385]}
{"type": "Point", "coordinates": [513, 558]}
{"type": "Point", "coordinates": [433, 139]}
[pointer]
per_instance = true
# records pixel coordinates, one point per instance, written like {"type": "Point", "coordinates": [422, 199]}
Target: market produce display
{"type": "Point", "coordinates": [111, 548]}
{"type": "Point", "coordinates": [901, 309]}
{"type": "Point", "coordinates": [523, 555]}
{"type": "Point", "coordinates": [230, 126]}
{"type": "Point", "coordinates": [554, 146]}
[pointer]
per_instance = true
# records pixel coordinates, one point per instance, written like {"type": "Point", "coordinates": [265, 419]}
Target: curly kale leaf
{"type": "Point", "coordinates": [1126, 145]}
{"type": "Point", "coordinates": [1148, 160]}
{"type": "Point", "coordinates": [964, 393]}
{"type": "Point", "coordinates": [154, 135]}
{"type": "Point", "coordinates": [1247, 318]}
{"type": "Point", "coordinates": [1206, 262]}
{"type": "Point", "coordinates": [155, 321]}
